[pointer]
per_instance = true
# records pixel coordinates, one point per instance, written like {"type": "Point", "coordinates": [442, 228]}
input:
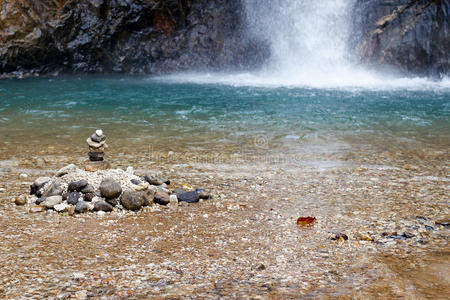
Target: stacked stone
{"type": "Point", "coordinates": [97, 145]}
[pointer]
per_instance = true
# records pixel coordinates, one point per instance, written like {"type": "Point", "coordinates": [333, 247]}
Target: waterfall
{"type": "Point", "coordinates": [307, 38]}
{"type": "Point", "coordinates": [309, 42]}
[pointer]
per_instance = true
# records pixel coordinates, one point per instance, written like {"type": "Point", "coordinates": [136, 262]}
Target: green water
{"type": "Point", "coordinates": [203, 114]}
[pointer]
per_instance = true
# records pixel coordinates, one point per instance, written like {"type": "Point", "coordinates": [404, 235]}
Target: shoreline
{"type": "Point", "coordinates": [245, 241]}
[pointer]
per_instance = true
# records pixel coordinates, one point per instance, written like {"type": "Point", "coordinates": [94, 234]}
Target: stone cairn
{"type": "Point", "coordinates": [97, 145]}
{"type": "Point", "coordinates": [98, 188]}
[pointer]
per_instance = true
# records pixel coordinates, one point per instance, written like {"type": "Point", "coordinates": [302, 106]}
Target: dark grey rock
{"type": "Point", "coordinates": [33, 189]}
{"type": "Point", "coordinates": [73, 198]}
{"type": "Point", "coordinates": [136, 181]}
{"type": "Point", "coordinates": [134, 37]}
{"type": "Point", "coordinates": [103, 206]}
{"type": "Point", "coordinates": [81, 207]}
{"type": "Point", "coordinates": [77, 186]}
{"type": "Point", "coordinates": [88, 189]}
{"type": "Point", "coordinates": [162, 198]}
{"type": "Point", "coordinates": [132, 200]}
{"type": "Point", "coordinates": [409, 36]}
{"type": "Point", "coordinates": [96, 156]}
{"type": "Point", "coordinates": [97, 138]}
{"type": "Point", "coordinates": [153, 180]}
{"type": "Point", "coordinates": [189, 197]}
{"type": "Point", "coordinates": [110, 188]}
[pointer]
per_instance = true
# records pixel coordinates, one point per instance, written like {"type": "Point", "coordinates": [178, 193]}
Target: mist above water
{"type": "Point", "coordinates": [309, 44]}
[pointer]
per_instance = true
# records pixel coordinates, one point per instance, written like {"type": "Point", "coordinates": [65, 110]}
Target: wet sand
{"type": "Point", "coordinates": [244, 243]}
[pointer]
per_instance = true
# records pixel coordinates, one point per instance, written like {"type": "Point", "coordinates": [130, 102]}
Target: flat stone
{"type": "Point", "coordinates": [88, 189]}
{"type": "Point", "coordinates": [96, 156]}
{"type": "Point", "coordinates": [61, 207]}
{"type": "Point", "coordinates": [103, 206]}
{"type": "Point", "coordinates": [93, 144]}
{"type": "Point", "coordinates": [36, 209]}
{"type": "Point", "coordinates": [162, 198]}
{"type": "Point", "coordinates": [189, 197]}
{"type": "Point", "coordinates": [55, 189]}
{"type": "Point", "coordinates": [50, 202]}
{"type": "Point", "coordinates": [40, 181]}
{"type": "Point", "coordinates": [81, 207]}
{"type": "Point", "coordinates": [153, 180]}
{"type": "Point", "coordinates": [73, 198]}
{"type": "Point", "coordinates": [110, 188]}
{"type": "Point", "coordinates": [443, 222]}
{"type": "Point", "coordinates": [77, 186]}
{"type": "Point", "coordinates": [132, 200]}
{"type": "Point", "coordinates": [66, 170]}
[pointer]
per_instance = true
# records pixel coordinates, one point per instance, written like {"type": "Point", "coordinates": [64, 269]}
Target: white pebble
{"type": "Point", "coordinates": [23, 176]}
{"type": "Point", "coordinates": [130, 171]}
{"type": "Point", "coordinates": [99, 132]}
{"type": "Point", "coordinates": [173, 199]}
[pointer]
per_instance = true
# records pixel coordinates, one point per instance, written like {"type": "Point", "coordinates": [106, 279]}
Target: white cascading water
{"type": "Point", "coordinates": [309, 43]}
{"type": "Point", "coordinates": [307, 38]}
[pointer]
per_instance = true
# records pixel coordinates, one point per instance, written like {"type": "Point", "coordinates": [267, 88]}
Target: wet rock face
{"type": "Point", "coordinates": [412, 36]}
{"type": "Point", "coordinates": [97, 36]}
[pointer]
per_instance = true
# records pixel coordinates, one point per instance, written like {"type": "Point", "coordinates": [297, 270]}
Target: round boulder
{"type": "Point", "coordinates": [110, 188]}
{"type": "Point", "coordinates": [162, 198]}
{"type": "Point", "coordinates": [132, 200]}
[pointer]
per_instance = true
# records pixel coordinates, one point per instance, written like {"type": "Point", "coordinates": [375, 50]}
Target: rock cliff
{"type": "Point", "coordinates": [410, 36]}
{"type": "Point", "coordinates": [129, 36]}
{"type": "Point", "coordinates": [159, 36]}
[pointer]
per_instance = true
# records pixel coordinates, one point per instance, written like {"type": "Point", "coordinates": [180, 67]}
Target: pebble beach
{"type": "Point", "coordinates": [381, 228]}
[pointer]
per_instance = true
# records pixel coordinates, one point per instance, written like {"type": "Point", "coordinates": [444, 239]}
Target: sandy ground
{"type": "Point", "coordinates": [244, 243]}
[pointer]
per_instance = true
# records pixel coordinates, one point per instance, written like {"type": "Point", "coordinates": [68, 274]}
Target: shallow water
{"type": "Point", "coordinates": [169, 112]}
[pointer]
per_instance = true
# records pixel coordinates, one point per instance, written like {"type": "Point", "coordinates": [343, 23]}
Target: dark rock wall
{"type": "Point", "coordinates": [410, 36]}
{"type": "Point", "coordinates": [160, 36]}
{"type": "Point", "coordinates": [129, 36]}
